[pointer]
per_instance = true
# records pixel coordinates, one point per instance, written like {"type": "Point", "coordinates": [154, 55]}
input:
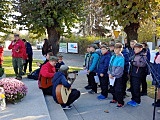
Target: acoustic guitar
{"type": "Point", "coordinates": [62, 93]}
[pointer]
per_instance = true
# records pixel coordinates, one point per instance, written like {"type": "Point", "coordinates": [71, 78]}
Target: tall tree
{"type": "Point", "coordinates": [4, 12]}
{"type": "Point", "coordinates": [129, 13]}
{"type": "Point", "coordinates": [54, 16]}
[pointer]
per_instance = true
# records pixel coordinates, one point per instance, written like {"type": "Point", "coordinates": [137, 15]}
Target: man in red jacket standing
{"type": "Point", "coordinates": [46, 74]}
{"type": "Point", "coordinates": [18, 54]}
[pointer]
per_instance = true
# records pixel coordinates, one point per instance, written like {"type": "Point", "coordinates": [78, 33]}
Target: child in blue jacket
{"type": "Point", "coordinates": [60, 79]}
{"type": "Point", "coordinates": [92, 67]}
{"type": "Point", "coordinates": [102, 72]}
{"type": "Point", "coordinates": [115, 71]}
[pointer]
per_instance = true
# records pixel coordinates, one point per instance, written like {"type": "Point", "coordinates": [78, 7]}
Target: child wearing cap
{"type": "Point", "coordinates": [115, 71]}
{"type": "Point", "coordinates": [92, 67]}
{"type": "Point", "coordinates": [137, 71]}
{"type": "Point", "coordinates": [111, 48]}
{"type": "Point", "coordinates": [102, 72]}
{"type": "Point", "coordinates": [59, 62]}
{"type": "Point", "coordinates": [85, 65]}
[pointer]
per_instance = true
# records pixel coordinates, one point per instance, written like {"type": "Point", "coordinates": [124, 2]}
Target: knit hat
{"type": "Point", "coordinates": [53, 58]}
{"type": "Point", "coordinates": [64, 68]}
{"type": "Point", "coordinates": [94, 46]}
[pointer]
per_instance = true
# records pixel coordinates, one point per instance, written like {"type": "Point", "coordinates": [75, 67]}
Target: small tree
{"type": "Point", "coordinates": [129, 13]}
{"type": "Point", "coordinates": [54, 16]}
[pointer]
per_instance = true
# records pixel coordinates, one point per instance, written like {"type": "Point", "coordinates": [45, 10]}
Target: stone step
{"type": "Point", "coordinates": [55, 110]}
{"type": "Point", "coordinates": [33, 106]}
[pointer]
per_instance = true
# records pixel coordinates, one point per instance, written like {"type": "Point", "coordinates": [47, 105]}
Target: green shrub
{"type": "Point", "coordinates": [83, 42]}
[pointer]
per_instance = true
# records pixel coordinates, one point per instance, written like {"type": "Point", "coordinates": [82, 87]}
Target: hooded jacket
{"type": "Point", "coordinates": [59, 78]}
{"type": "Point", "coordinates": [103, 64]}
{"type": "Point", "coordinates": [92, 63]}
{"type": "Point", "coordinates": [139, 71]}
{"type": "Point", "coordinates": [116, 65]}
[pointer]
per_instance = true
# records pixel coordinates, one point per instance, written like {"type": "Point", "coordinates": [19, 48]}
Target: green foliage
{"type": "Point", "coordinates": [129, 11]}
{"type": "Point", "coordinates": [37, 15]}
{"type": "Point", "coordinates": [4, 12]}
{"type": "Point", "coordinates": [83, 42]}
{"type": "Point", "coordinates": [146, 31]}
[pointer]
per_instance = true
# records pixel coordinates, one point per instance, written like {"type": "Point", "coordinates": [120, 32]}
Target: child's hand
{"type": "Point", "coordinates": [110, 76]}
{"type": "Point", "coordinates": [88, 71]}
{"type": "Point", "coordinates": [101, 75]}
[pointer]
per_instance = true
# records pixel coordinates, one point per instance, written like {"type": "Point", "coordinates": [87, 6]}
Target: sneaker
{"type": "Point", "coordinates": [157, 104]}
{"type": "Point", "coordinates": [130, 102]}
{"type": "Point", "coordinates": [67, 107]}
{"type": "Point", "coordinates": [143, 94]}
{"type": "Point", "coordinates": [91, 92]}
{"type": "Point", "coordinates": [101, 97]}
{"type": "Point", "coordinates": [133, 103]}
{"type": "Point", "coordinates": [120, 106]}
{"type": "Point", "coordinates": [88, 87]}
{"type": "Point", "coordinates": [113, 101]}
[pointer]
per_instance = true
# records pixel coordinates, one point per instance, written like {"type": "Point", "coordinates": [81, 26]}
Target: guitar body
{"type": "Point", "coordinates": [62, 94]}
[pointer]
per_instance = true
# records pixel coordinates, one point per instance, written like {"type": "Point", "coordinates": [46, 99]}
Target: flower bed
{"type": "Point", "coordinates": [14, 89]}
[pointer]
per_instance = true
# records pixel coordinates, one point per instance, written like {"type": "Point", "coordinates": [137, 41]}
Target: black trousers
{"type": "Point", "coordinates": [74, 95]}
{"type": "Point", "coordinates": [89, 81]}
{"type": "Point", "coordinates": [144, 84]}
{"type": "Point", "coordinates": [118, 91]}
{"type": "Point", "coordinates": [47, 91]}
{"type": "Point", "coordinates": [104, 85]}
{"type": "Point", "coordinates": [92, 80]}
{"type": "Point", "coordinates": [135, 89]}
{"type": "Point", "coordinates": [29, 60]}
{"type": "Point", "coordinates": [125, 79]}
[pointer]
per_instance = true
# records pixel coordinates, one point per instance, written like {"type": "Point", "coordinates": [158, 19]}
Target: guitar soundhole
{"type": "Point", "coordinates": [66, 91]}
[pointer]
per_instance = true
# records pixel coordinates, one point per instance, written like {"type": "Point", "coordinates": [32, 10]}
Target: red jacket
{"type": "Point", "coordinates": [47, 70]}
{"type": "Point", "coordinates": [18, 49]}
{"type": "Point", "coordinates": [45, 76]}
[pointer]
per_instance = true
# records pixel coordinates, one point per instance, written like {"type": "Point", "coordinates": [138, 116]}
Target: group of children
{"type": "Point", "coordinates": [114, 65]}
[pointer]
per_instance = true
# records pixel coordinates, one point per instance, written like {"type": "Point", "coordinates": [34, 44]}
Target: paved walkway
{"type": "Point", "coordinates": [87, 107]}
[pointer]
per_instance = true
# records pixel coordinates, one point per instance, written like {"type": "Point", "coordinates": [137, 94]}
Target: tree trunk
{"type": "Point", "coordinates": [53, 37]}
{"type": "Point", "coordinates": [131, 31]}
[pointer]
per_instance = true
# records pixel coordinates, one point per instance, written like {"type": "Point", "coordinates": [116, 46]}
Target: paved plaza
{"type": "Point", "coordinates": [87, 107]}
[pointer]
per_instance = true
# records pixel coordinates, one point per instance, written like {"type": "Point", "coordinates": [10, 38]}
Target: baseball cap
{"type": "Point", "coordinates": [138, 45]}
{"type": "Point", "coordinates": [94, 46]}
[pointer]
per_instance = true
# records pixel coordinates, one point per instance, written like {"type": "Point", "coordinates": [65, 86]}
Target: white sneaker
{"type": "Point", "coordinates": [67, 107]}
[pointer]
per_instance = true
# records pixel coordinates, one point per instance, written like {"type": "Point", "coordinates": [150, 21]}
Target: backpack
{"type": "Point", "coordinates": [34, 75]}
{"type": "Point", "coordinates": [139, 60]}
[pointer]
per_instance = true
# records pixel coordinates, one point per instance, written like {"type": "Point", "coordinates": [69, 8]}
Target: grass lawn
{"type": "Point", "coordinates": [7, 65]}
